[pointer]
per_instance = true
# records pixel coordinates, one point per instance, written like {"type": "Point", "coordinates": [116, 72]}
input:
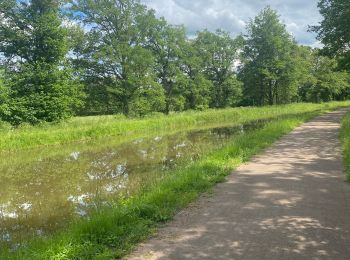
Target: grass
{"type": "Point", "coordinates": [345, 137]}
{"type": "Point", "coordinates": [114, 231]}
{"type": "Point", "coordinates": [92, 128]}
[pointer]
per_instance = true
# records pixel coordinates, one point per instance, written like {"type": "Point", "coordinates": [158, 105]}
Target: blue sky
{"type": "Point", "coordinates": [232, 15]}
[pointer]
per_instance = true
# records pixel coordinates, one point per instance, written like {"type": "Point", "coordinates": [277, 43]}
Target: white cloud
{"type": "Point", "coordinates": [232, 15]}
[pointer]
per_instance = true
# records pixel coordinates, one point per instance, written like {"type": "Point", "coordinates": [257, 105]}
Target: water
{"type": "Point", "coordinates": [41, 190]}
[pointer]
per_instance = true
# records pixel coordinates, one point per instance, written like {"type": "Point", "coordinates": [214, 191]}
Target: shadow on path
{"type": "Point", "coordinates": [291, 202]}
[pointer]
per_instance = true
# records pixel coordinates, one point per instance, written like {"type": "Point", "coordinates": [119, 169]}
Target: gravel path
{"type": "Point", "coordinates": [291, 202]}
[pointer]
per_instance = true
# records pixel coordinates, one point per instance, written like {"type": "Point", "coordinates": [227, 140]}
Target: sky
{"type": "Point", "coordinates": [233, 15]}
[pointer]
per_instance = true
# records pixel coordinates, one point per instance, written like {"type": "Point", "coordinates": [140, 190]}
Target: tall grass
{"type": "Point", "coordinates": [345, 137]}
{"type": "Point", "coordinates": [90, 128]}
{"type": "Point", "coordinates": [114, 231]}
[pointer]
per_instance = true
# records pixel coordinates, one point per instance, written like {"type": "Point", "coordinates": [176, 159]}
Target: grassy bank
{"type": "Point", "coordinates": [345, 137]}
{"type": "Point", "coordinates": [92, 128]}
{"type": "Point", "coordinates": [114, 231]}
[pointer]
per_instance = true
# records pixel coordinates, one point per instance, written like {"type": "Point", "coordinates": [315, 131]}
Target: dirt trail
{"type": "Point", "coordinates": [291, 202]}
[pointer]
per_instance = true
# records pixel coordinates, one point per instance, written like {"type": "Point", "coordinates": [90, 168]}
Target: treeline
{"type": "Point", "coordinates": [96, 57]}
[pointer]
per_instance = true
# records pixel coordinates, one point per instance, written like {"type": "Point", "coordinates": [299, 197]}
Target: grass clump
{"type": "Point", "coordinates": [113, 232]}
{"type": "Point", "coordinates": [92, 128]}
{"type": "Point", "coordinates": [345, 137]}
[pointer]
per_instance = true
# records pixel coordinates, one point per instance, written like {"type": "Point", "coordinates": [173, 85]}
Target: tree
{"type": "Point", "coordinates": [328, 84]}
{"type": "Point", "coordinates": [305, 58]}
{"type": "Point", "coordinates": [219, 52]}
{"type": "Point", "coordinates": [178, 68]}
{"type": "Point", "coordinates": [167, 44]}
{"type": "Point", "coordinates": [269, 67]}
{"type": "Point", "coordinates": [334, 30]}
{"type": "Point", "coordinates": [198, 92]}
{"type": "Point", "coordinates": [197, 87]}
{"type": "Point", "coordinates": [113, 57]}
{"type": "Point", "coordinates": [33, 43]}
{"type": "Point", "coordinates": [4, 98]}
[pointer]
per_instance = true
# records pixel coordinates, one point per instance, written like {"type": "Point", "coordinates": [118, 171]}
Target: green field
{"type": "Point", "coordinates": [92, 128]}
{"type": "Point", "coordinates": [345, 136]}
{"type": "Point", "coordinates": [114, 231]}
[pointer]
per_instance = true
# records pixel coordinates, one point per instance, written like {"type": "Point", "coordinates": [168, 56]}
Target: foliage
{"type": "Point", "coordinates": [197, 92]}
{"type": "Point", "coordinates": [219, 52]}
{"type": "Point", "coordinates": [167, 45]}
{"type": "Point", "coordinates": [33, 43]}
{"type": "Point", "coordinates": [116, 61]}
{"type": "Point", "coordinates": [330, 84]}
{"type": "Point", "coordinates": [345, 137]}
{"type": "Point", "coordinates": [334, 30]}
{"type": "Point", "coordinates": [322, 82]}
{"type": "Point", "coordinates": [268, 69]}
{"type": "Point", "coordinates": [4, 98]}
{"type": "Point", "coordinates": [113, 58]}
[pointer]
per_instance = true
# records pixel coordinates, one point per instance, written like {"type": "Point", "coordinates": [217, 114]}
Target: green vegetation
{"type": "Point", "coordinates": [87, 128]}
{"type": "Point", "coordinates": [321, 80]}
{"type": "Point", "coordinates": [82, 57]}
{"type": "Point", "coordinates": [345, 137]}
{"type": "Point", "coordinates": [334, 30]}
{"type": "Point", "coordinates": [114, 231]}
{"type": "Point", "coordinates": [269, 73]}
{"type": "Point", "coordinates": [39, 86]}
{"type": "Point", "coordinates": [218, 51]}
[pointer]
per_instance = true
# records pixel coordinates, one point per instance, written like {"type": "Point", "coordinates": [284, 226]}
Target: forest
{"type": "Point", "coordinates": [85, 57]}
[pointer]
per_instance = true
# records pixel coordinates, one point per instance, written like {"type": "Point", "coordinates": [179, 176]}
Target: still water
{"type": "Point", "coordinates": [41, 190]}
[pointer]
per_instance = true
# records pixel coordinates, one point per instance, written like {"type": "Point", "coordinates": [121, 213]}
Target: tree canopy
{"type": "Point", "coordinates": [94, 57]}
{"type": "Point", "coordinates": [334, 30]}
{"type": "Point", "coordinates": [269, 66]}
{"type": "Point", "coordinates": [33, 42]}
